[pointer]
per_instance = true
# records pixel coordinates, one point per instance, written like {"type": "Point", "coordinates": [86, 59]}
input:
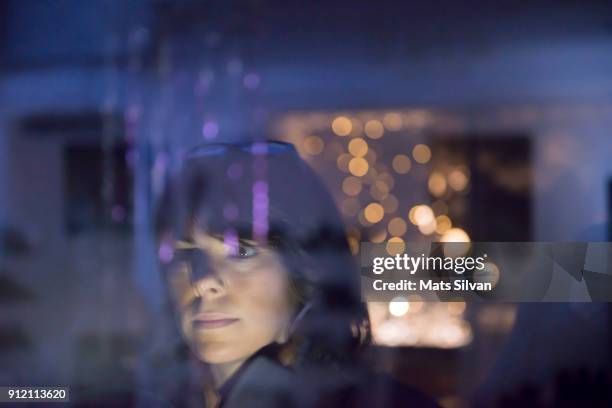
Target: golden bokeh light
{"type": "Point", "coordinates": [358, 147]}
{"type": "Point", "coordinates": [401, 164]}
{"type": "Point", "coordinates": [313, 145]}
{"type": "Point", "coordinates": [358, 166]}
{"type": "Point", "coordinates": [457, 179]}
{"type": "Point", "coordinates": [423, 215]}
{"type": "Point", "coordinates": [342, 126]}
{"type": "Point", "coordinates": [392, 121]}
{"type": "Point", "coordinates": [398, 306]}
{"type": "Point", "coordinates": [377, 235]}
{"type": "Point", "coordinates": [395, 246]}
{"type": "Point", "coordinates": [379, 190]}
{"type": "Point", "coordinates": [390, 204]}
{"type": "Point", "coordinates": [397, 227]}
{"type": "Point", "coordinates": [455, 235]}
{"type": "Point", "coordinates": [362, 219]}
{"type": "Point", "coordinates": [374, 212]}
{"type": "Point", "coordinates": [429, 228]}
{"type": "Point", "coordinates": [343, 162]}
{"type": "Point", "coordinates": [374, 129]}
{"type": "Point", "coordinates": [443, 224]}
{"type": "Point", "coordinates": [437, 184]}
{"type": "Point", "coordinates": [421, 153]}
{"type": "Point", "coordinates": [351, 186]}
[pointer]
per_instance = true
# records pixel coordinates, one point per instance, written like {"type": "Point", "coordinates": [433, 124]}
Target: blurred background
{"type": "Point", "coordinates": [482, 121]}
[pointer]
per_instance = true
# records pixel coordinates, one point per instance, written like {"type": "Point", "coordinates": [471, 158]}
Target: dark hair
{"type": "Point", "coordinates": [266, 192]}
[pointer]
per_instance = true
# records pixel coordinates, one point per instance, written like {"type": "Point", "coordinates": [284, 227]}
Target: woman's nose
{"type": "Point", "coordinates": [210, 285]}
{"type": "Point", "coordinates": [206, 278]}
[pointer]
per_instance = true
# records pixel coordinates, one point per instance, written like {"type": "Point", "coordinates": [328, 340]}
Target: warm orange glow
{"type": "Point", "coordinates": [455, 235]}
{"type": "Point", "coordinates": [358, 166]}
{"type": "Point", "coordinates": [437, 184]}
{"type": "Point", "coordinates": [342, 126]}
{"type": "Point", "coordinates": [401, 164]}
{"type": "Point", "coordinates": [429, 228]}
{"type": "Point", "coordinates": [313, 145]}
{"type": "Point", "coordinates": [358, 147]}
{"type": "Point", "coordinates": [421, 153]}
{"type": "Point", "coordinates": [351, 186]}
{"type": "Point", "coordinates": [374, 212]}
{"type": "Point", "coordinates": [423, 215]}
{"type": "Point", "coordinates": [393, 121]}
{"type": "Point", "coordinates": [374, 129]}
{"type": "Point", "coordinates": [443, 224]}
{"type": "Point", "coordinates": [379, 190]}
{"type": "Point", "coordinates": [395, 246]}
{"type": "Point", "coordinates": [343, 162]}
{"type": "Point", "coordinates": [390, 204]}
{"type": "Point", "coordinates": [457, 179]}
{"type": "Point", "coordinates": [397, 227]}
{"type": "Point", "coordinates": [378, 236]}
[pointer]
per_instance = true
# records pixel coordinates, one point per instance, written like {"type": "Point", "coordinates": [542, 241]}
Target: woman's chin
{"type": "Point", "coordinates": [218, 354]}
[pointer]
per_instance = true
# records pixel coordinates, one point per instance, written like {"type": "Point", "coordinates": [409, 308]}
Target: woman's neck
{"type": "Point", "coordinates": [222, 372]}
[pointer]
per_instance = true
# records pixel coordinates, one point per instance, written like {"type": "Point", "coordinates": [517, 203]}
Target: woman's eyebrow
{"type": "Point", "coordinates": [185, 244]}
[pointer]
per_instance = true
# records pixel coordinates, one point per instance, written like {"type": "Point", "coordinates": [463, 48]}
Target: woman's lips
{"type": "Point", "coordinates": [213, 320]}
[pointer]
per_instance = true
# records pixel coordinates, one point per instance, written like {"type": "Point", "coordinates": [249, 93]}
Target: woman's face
{"type": "Point", "coordinates": [233, 300]}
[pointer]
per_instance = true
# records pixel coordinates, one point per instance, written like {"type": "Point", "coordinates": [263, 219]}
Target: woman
{"type": "Point", "coordinates": [263, 283]}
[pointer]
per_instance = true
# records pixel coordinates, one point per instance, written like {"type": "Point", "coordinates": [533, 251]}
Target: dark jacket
{"type": "Point", "coordinates": [264, 382]}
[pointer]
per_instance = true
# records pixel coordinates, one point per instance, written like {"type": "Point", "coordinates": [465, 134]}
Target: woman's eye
{"type": "Point", "coordinates": [244, 251]}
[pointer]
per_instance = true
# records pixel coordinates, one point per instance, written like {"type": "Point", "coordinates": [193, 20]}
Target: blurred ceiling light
{"type": "Point", "coordinates": [429, 228]}
{"type": "Point", "coordinates": [358, 147]}
{"type": "Point", "coordinates": [421, 153]}
{"type": "Point", "coordinates": [313, 145]}
{"type": "Point", "coordinates": [358, 166]}
{"type": "Point", "coordinates": [342, 126]}
{"type": "Point", "coordinates": [374, 129]}
{"type": "Point", "coordinates": [343, 162]}
{"type": "Point", "coordinates": [395, 246]}
{"type": "Point", "coordinates": [362, 219]}
{"type": "Point", "coordinates": [392, 121]}
{"type": "Point", "coordinates": [401, 164]}
{"type": "Point", "coordinates": [457, 179]}
{"type": "Point", "coordinates": [423, 215]}
{"type": "Point", "coordinates": [374, 212]}
{"type": "Point", "coordinates": [437, 184]}
{"type": "Point", "coordinates": [351, 186]}
{"type": "Point", "coordinates": [378, 235]}
{"type": "Point", "coordinates": [443, 224]}
{"type": "Point", "coordinates": [397, 227]}
{"type": "Point", "coordinates": [379, 190]}
{"type": "Point", "coordinates": [398, 306]}
{"type": "Point", "coordinates": [390, 204]}
{"type": "Point", "coordinates": [455, 235]}
{"type": "Point", "coordinates": [387, 179]}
